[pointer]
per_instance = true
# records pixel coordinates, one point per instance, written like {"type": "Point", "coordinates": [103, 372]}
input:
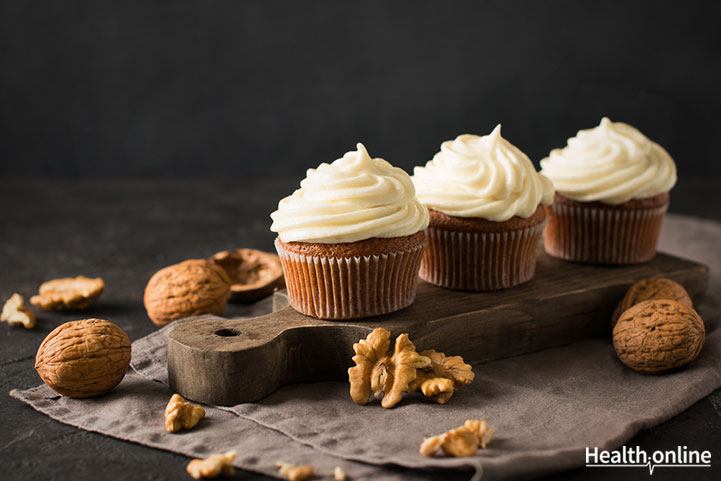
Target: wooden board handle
{"type": "Point", "coordinates": [214, 360]}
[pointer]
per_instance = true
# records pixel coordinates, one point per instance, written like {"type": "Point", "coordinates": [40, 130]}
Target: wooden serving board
{"type": "Point", "coordinates": [228, 361]}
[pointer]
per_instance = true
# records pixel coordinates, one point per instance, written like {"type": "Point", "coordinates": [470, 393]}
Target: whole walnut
{"type": "Point", "coordinates": [648, 289]}
{"type": "Point", "coordinates": [658, 335]}
{"type": "Point", "coordinates": [84, 358]}
{"type": "Point", "coordinates": [191, 288]}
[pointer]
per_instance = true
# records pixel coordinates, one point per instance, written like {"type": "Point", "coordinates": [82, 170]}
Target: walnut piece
{"type": "Point", "coordinates": [339, 474]}
{"type": "Point", "coordinates": [377, 373]}
{"type": "Point", "coordinates": [253, 274]}
{"type": "Point", "coordinates": [439, 389]}
{"type": "Point", "coordinates": [68, 293]}
{"type": "Point", "coordinates": [649, 289]}
{"type": "Point", "coordinates": [463, 441]}
{"type": "Point", "coordinates": [180, 414]}
{"type": "Point", "coordinates": [460, 443]}
{"type": "Point", "coordinates": [16, 313]}
{"type": "Point", "coordinates": [443, 377]}
{"type": "Point", "coordinates": [433, 373]}
{"type": "Point", "coordinates": [431, 445]}
{"type": "Point", "coordinates": [212, 466]}
{"type": "Point", "coordinates": [294, 473]}
{"type": "Point", "coordinates": [480, 428]}
{"type": "Point", "coordinates": [84, 358]}
{"type": "Point", "coordinates": [191, 288]}
{"type": "Point", "coordinates": [658, 335]}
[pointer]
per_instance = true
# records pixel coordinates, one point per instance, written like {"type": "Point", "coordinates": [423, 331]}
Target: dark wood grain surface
{"type": "Point", "coordinates": [221, 361]}
{"type": "Point", "coordinates": [124, 231]}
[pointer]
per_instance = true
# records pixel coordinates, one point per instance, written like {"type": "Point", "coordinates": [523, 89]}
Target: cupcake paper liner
{"type": "Point", "coordinates": [480, 261]}
{"type": "Point", "coordinates": [603, 236]}
{"type": "Point", "coordinates": [337, 288]}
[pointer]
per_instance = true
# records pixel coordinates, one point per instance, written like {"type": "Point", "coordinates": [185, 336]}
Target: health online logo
{"type": "Point", "coordinates": [628, 457]}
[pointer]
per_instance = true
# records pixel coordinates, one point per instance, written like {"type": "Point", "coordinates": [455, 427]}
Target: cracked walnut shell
{"type": "Point", "coordinates": [253, 274]}
{"type": "Point", "coordinates": [648, 289]}
{"type": "Point", "coordinates": [190, 288]}
{"type": "Point", "coordinates": [180, 414]}
{"type": "Point", "coordinates": [68, 293]}
{"type": "Point", "coordinates": [377, 373]}
{"type": "Point", "coordinates": [16, 313]}
{"type": "Point", "coordinates": [212, 466]}
{"type": "Point", "coordinates": [85, 358]}
{"type": "Point", "coordinates": [658, 335]}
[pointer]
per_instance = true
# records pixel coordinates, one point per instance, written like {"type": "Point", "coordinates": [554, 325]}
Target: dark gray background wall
{"type": "Point", "coordinates": [259, 88]}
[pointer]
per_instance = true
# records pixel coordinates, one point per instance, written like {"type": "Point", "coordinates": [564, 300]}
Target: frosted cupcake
{"type": "Point", "coordinates": [486, 217]}
{"type": "Point", "coordinates": [350, 240]}
{"type": "Point", "coordinates": [612, 191]}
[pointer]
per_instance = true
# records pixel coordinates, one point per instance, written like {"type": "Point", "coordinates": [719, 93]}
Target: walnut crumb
{"type": "Point", "coordinates": [294, 473]}
{"type": "Point", "coordinates": [462, 441]}
{"type": "Point", "coordinates": [211, 467]}
{"type": "Point", "coordinates": [16, 313]}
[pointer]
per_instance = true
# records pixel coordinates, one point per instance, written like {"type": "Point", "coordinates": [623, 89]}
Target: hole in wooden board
{"type": "Point", "coordinates": [227, 332]}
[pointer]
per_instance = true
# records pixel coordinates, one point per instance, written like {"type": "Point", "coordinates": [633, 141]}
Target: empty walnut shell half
{"type": "Point", "coordinates": [253, 274]}
{"type": "Point", "coordinates": [658, 335]}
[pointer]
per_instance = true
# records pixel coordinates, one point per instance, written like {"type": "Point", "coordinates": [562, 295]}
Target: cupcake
{"type": "Point", "coordinates": [486, 217]}
{"type": "Point", "coordinates": [612, 191]}
{"type": "Point", "coordinates": [350, 240]}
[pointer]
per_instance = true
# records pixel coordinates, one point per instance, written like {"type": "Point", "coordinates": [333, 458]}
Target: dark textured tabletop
{"type": "Point", "coordinates": [125, 230]}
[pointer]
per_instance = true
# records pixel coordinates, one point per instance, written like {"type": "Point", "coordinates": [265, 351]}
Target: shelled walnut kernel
{"type": "Point", "coordinates": [68, 293]}
{"type": "Point", "coordinates": [376, 373]}
{"type": "Point", "coordinates": [180, 414]}
{"type": "Point", "coordinates": [444, 376]}
{"type": "Point", "coordinates": [212, 466]}
{"type": "Point", "coordinates": [462, 441]}
{"type": "Point", "coordinates": [16, 313]}
{"type": "Point", "coordinates": [294, 473]}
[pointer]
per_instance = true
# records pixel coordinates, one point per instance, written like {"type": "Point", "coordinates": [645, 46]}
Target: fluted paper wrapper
{"type": "Point", "coordinates": [603, 236]}
{"type": "Point", "coordinates": [480, 261]}
{"type": "Point", "coordinates": [350, 288]}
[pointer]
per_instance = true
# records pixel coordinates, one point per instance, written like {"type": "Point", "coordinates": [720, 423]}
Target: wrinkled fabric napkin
{"type": "Point", "coordinates": [545, 407]}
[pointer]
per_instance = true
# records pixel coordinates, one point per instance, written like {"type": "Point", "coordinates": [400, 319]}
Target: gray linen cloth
{"type": "Point", "coordinates": [546, 407]}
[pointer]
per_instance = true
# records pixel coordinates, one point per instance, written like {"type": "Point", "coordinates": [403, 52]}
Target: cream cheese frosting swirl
{"type": "Point", "coordinates": [354, 198]}
{"type": "Point", "coordinates": [485, 177]}
{"type": "Point", "coordinates": [611, 163]}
